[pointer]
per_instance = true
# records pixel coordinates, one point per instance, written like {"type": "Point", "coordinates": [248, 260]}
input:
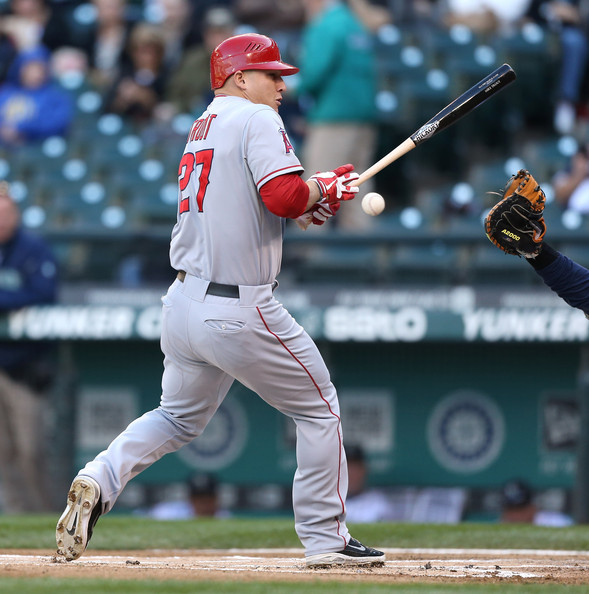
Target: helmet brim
{"type": "Point", "coordinates": [282, 67]}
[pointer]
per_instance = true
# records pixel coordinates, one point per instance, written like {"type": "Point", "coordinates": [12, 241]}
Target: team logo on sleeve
{"type": "Point", "coordinates": [287, 145]}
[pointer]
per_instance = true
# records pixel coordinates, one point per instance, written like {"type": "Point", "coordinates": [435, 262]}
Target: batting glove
{"type": "Point", "coordinates": [334, 186]}
{"type": "Point", "coordinates": [323, 210]}
{"type": "Point", "coordinates": [317, 214]}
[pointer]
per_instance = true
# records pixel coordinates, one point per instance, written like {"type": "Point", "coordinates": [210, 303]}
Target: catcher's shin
{"type": "Point", "coordinates": [515, 224]}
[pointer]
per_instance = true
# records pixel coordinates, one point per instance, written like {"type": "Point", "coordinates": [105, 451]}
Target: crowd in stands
{"type": "Point", "coordinates": [366, 68]}
{"type": "Point", "coordinates": [352, 101]}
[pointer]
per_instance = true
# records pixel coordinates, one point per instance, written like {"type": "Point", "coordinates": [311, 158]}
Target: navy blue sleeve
{"type": "Point", "coordinates": [568, 280]}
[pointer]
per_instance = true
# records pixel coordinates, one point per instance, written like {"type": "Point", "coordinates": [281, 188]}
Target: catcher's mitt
{"type": "Point", "coordinates": [515, 224]}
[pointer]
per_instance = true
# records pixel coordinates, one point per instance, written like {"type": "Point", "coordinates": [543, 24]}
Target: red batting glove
{"type": "Point", "coordinates": [317, 214]}
{"type": "Point", "coordinates": [322, 210]}
{"type": "Point", "coordinates": [334, 186]}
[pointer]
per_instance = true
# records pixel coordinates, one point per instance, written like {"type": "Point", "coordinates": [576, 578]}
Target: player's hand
{"type": "Point", "coordinates": [334, 186]}
{"type": "Point", "coordinates": [322, 211]}
{"type": "Point", "coordinates": [318, 213]}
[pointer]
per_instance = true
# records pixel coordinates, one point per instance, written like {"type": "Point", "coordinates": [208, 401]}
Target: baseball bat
{"type": "Point", "coordinates": [462, 105]}
{"type": "Point", "coordinates": [469, 100]}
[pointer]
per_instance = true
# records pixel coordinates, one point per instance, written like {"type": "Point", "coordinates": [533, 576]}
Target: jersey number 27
{"type": "Point", "coordinates": [201, 160]}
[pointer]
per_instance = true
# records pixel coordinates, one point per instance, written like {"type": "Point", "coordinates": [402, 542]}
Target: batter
{"type": "Point", "coordinates": [239, 178]}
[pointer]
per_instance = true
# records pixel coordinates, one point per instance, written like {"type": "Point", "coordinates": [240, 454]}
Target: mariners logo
{"type": "Point", "coordinates": [466, 432]}
{"type": "Point", "coordinates": [223, 440]}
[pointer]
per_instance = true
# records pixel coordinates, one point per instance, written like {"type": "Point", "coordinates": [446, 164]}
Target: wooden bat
{"type": "Point", "coordinates": [462, 105]}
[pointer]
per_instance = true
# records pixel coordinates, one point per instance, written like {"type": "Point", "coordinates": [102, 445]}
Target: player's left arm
{"type": "Point", "coordinates": [566, 278]}
{"type": "Point", "coordinates": [275, 168]}
{"type": "Point", "coordinates": [286, 196]}
{"type": "Point", "coordinates": [290, 197]}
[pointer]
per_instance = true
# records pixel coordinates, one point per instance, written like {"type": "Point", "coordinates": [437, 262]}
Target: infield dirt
{"type": "Point", "coordinates": [403, 565]}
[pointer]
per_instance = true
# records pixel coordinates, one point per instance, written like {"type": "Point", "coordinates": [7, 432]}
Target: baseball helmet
{"type": "Point", "coordinates": [249, 51]}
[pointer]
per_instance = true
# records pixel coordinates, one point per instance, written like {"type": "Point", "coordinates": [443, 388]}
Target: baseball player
{"type": "Point", "coordinates": [239, 178]}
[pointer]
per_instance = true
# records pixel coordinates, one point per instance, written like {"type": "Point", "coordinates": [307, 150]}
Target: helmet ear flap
{"type": "Point", "coordinates": [249, 51]}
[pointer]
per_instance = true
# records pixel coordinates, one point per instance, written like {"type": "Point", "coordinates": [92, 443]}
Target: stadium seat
{"type": "Point", "coordinates": [116, 154]}
{"type": "Point", "coordinates": [490, 265]}
{"type": "Point", "coordinates": [153, 203]}
{"type": "Point", "coordinates": [399, 61]}
{"type": "Point", "coordinates": [340, 265]}
{"type": "Point", "coordinates": [534, 54]}
{"type": "Point", "coordinates": [545, 156]}
{"type": "Point", "coordinates": [432, 263]}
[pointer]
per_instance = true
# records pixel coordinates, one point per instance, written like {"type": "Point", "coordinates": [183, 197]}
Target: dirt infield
{"type": "Point", "coordinates": [402, 565]}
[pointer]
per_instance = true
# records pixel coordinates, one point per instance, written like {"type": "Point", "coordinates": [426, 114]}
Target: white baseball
{"type": "Point", "coordinates": [373, 204]}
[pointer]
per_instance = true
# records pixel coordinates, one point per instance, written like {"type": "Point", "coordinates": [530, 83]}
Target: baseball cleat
{"type": "Point", "coordinates": [355, 553]}
{"type": "Point", "coordinates": [75, 526]}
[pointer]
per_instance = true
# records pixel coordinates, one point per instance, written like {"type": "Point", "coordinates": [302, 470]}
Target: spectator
{"type": "Point", "coordinates": [372, 14]}
{"type": "Point", "coordinates": [571, 185]}
{"type": "Point", "coordinates": [190, 84]}
{"type": "Point", "coordinates": [518, 507]}
{"type": "Point", "coordinates": [485, 16]}
{"type": "Point", "coordinates": [26, 23]}
{"type": "Point", "coordinates": [7, 54]}
{"type": "Point", "coordinates": [202, 502]}
{"type": "Point", "coordinates": [68, 63]}
{"type": "Point", "coordinates": [570, 23]}
{"type": "Point", "coordinates": [28, 276]}
{"type": "Point", "coordinates": [364, 504]}
{"type": "Point", "coordinates": [269, 16]}
{"type": "Point", "coordinates": [338, 79]}
{"type": "Point", "coordinates": [32, 106]}
{"type": "Point", "coordinates": [107, 41]}
{"type": "Point", "coordinates": [179, 29]}
{"type": "Point", "coordinates": [140, 88]}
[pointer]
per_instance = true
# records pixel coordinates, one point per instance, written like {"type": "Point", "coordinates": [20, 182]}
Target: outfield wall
{"type": "Point", "coordinates": [442, 387]}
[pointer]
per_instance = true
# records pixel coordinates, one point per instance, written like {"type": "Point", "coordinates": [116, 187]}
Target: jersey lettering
{"type": "Point", "coordinates": [204, 158]}
{"type": "Point", "coordinates": [201, 128]}
{"type": "Point", "coordinates": [287, 145]}
{"type": "Point", "coordinates": [184, 172]}
{"type": "Point", "coordinates": [188, 163]}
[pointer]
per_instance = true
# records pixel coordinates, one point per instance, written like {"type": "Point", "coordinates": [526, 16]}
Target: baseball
{"type": "Point", "coordinates": [373, 204]}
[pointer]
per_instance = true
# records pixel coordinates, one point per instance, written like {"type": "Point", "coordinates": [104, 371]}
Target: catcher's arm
{"type": "Point", "coordinates": [566, 278]}
{"type": "Point", "coordinates": [515, 224]}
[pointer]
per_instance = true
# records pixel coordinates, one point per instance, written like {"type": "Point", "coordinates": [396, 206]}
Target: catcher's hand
{"type": "Point", "coordinates": [515, 224]}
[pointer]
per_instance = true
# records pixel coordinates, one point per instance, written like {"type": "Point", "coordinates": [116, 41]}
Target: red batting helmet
{"type": "Point", "coordinates": [246, 52]}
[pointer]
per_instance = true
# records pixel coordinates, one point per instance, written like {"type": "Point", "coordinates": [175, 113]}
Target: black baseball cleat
{"type": "Point", "coordinates": [355, 553]}
{"type": "Point", "coordinates": [75, 526]}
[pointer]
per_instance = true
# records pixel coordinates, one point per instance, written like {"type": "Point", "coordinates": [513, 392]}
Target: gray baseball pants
{"type": "Point", "coordinates": [208, 341]}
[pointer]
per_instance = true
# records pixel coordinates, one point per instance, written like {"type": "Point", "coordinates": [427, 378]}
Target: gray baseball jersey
{"type": "Point", "coordinates": [225, 234]}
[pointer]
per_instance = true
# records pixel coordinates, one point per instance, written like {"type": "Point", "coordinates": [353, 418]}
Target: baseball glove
{"type": "Point", "coordinates": [515, 224]}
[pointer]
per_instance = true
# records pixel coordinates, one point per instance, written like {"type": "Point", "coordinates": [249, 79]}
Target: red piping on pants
{"type": "Point", "coordinates": [328, 406]}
